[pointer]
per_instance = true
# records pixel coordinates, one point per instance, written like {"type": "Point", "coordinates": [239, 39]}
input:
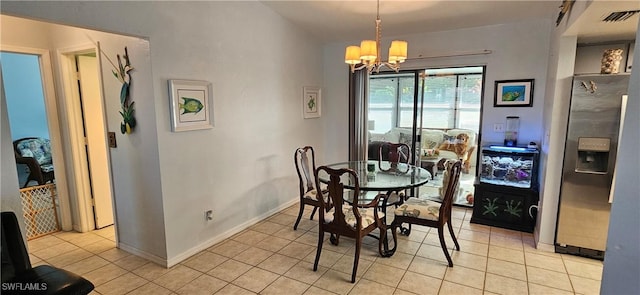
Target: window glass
{"type": "Point", "coordinates": [452, 99]}
{"type": "Point", "coordinates": [382, 99]}
{"type": "Point", "coordinates": [405, 114]}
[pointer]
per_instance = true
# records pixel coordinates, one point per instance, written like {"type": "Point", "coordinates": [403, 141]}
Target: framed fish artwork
{"type": "Point", "coordinates": [311, 102]}
{"type": "Point", "coordinates": [191, 104]}
{"type": "Point", "coordinates": [513, 93]}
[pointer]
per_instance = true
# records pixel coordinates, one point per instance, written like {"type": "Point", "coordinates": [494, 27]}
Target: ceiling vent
{"type": "Point", "coordinates": [620, 16]}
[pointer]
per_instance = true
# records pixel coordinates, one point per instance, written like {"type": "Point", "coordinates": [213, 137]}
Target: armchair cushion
{"type": "Point", "coordinates": [37, 148]}
{"type": "Point", "coordinates": [432, 138]}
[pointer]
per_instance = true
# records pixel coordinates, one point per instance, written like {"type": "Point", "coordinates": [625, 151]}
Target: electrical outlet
{"type": "Point", "coordinates": [208, 215]}
{"type": "Point", "coordinates": [498, 127]}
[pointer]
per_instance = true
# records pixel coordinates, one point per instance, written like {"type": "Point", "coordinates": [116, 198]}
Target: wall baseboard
{"type": "Point", "coordinates": [545, 247]}
{"type": "Point", "coordinates": [146, 255]}
{"type": "Point", "coordinates": [219, 238]}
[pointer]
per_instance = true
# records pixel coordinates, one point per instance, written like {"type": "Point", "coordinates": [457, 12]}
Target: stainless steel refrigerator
{"type": "Point", "coordinates": [589, 163]}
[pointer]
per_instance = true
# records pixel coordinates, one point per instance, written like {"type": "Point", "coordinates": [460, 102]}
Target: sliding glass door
{"type": "Point", "coordinates": [428, 110]}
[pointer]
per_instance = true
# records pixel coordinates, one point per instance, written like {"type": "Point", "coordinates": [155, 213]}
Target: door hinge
{"type": "Point", "coordinates": [77, 76]}
{"type": "Point", "coordinates": [85, 141]}
{"type": "Point", "coordinates": [93, 202]}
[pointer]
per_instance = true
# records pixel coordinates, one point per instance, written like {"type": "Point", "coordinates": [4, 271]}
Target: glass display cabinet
{"type": "Point", "coordinates": [506, 190]}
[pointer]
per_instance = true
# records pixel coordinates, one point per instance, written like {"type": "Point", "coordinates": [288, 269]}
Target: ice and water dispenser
{"type": "Point", "coordinates": [593, 155]}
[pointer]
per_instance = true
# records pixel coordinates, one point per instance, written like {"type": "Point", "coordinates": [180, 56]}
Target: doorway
{"type": "Point", "coordinates": [29, 128]}
{"type": "Point", "coordinates": [88, 203]}
{"type": "Point", "coordinates": [85, 105]}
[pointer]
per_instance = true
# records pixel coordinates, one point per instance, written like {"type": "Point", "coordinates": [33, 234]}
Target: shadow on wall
{"type": "Point", "coordinates": [272, 193]}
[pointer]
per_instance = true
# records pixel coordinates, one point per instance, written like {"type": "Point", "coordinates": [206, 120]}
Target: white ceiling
{"type": "Point", "coordinates": [335, 21]}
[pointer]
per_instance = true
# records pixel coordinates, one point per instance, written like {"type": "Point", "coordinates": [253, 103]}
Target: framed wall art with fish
{"type": "Point", "coordinates": [513, 93]}
{"type": "Point", "coordinates": [191, 104]}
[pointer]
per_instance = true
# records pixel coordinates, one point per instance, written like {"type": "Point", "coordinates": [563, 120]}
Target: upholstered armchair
{"type": "Point", "coordinates": [35, 152]}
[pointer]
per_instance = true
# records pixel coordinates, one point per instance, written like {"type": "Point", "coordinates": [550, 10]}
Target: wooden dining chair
{"type": "Point", "coordinates": [304, 158]}
{"type": "Point", "coordinates": [430, 213]}
{"type": "Point", "coordinates": [394, 153]}
{"type": "Point", "coordinates": [341, 219]}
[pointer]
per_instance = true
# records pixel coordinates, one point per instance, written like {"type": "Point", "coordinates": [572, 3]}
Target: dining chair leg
{"type": "Point", "coordinates": [320, 240]}
{"type": "Point", "coordinates": [313, 212]}
{"type": "Point", "coordinates": [334, 239]}
{"type": "Point", "coordinates": [356, 259]}
{"type": "Point", "coordinates": [295, 226]}
{"type": "Point", "coordinates": [444, 245]}
{"type": "Point", "coordinates": [455, 241]}
{"type": "Point", "coordinates": [383, 244]}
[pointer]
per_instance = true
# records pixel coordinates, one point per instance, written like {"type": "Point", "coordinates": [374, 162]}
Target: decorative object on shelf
{"type": "Point", "coordinates": [513, 93]}
{"type": "Point", "coordinates": [368, 53]}
{"type": "Point", "coordinates": [311, 102]}
{"type": "Point", "coordinates": [127, 112]}
{"type": "Point", "coordinates": [470, 198]}
{"type": "Point", "coordinates": [564, 9]}
{"type": "Point", "coordinates": [191, 105]}
{"type": "Point", "coordinates": [611, 61]}
{"type": "Point", "coordinates": [511, 132]}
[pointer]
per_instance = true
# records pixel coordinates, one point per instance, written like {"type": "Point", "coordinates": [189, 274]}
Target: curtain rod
{"type": "Point", "coordinates": [453, 54]}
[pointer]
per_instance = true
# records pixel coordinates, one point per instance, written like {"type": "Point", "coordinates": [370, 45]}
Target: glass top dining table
{"type": "Point", "coordinates": [406, 176]}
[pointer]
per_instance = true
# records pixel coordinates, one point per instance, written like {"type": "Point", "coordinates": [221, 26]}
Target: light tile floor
{"type": "Point", "coordinates": [271, 258]}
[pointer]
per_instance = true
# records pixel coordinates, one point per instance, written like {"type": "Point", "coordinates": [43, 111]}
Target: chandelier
{"type": "Point", "coordinates": [368, 54]}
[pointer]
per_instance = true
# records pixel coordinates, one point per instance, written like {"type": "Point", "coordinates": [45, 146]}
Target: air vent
{"type": "Point", "coordinates": [620, 16]}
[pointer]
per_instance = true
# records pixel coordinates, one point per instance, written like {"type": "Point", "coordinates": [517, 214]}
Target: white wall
{"type": "Point", "coordinates": [621, 260]}
{"type": "Point", "coordinates": [242, 168]}
{"type": "Point", "coordinates": [9, 189]}
{"type": "Point", "coordinates": [519, 51]}
{"type": "Point", "coordinates": [556, 111]}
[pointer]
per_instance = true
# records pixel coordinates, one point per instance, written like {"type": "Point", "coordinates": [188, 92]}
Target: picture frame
{"type": "Point", "coordinates": [191, 104]}
{"type": "Point", "coordinates": [513, 93]}
{"type": "Point", "coordinates": [311, 102]}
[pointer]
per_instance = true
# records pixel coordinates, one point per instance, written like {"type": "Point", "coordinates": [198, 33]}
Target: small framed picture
{"type": "Point", "coordinates": [311, 102]}
{"type": "Point", "coordinates": [191, 105]}
{"type": "Point", "coordinates": [513, 93]}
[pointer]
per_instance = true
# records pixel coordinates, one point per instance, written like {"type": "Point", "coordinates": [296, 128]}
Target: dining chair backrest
{"type": "Point", "coordinates": [336, 197]}
{"type": "Point", "coordinates": [305, 159]}
{"type": "Point", "coordinates": [395, 153]}
{"type": "Point", "coordinates": [453, 172]}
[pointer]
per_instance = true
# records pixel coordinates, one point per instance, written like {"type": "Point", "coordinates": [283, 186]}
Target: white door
{"type": "Point", "coordinates": [96, 139]}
